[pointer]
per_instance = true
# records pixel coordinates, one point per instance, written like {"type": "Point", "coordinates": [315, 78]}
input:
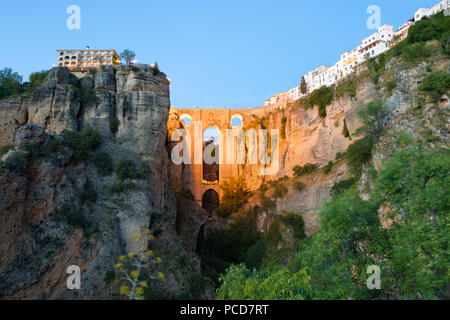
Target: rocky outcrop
{"type": "Point", "coordinates": [39, 238]}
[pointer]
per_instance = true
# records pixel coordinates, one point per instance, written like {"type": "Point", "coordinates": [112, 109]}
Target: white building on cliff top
{"type": "Point", "coordinates": [372, 46]}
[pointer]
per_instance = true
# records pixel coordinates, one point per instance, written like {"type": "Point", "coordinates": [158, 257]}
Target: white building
{"type": "Point", "coordinates": [425, 12]}
{"type": "Point", "coordinates": [372, 46]}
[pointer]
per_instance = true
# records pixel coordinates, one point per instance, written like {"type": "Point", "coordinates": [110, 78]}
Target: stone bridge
{"type": "Point", "coordinates": [221, 119]}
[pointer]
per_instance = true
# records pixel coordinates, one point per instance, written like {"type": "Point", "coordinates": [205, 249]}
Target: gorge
{"type": "Point", "coordinates": [86, 171]}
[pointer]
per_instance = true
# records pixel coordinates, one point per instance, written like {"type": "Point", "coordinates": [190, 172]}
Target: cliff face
{"type": "Point", "coordinates": [38, 242]}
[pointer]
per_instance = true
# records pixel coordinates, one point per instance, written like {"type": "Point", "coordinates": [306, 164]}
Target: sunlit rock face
{"type": "Point", "coordinates": [37, 241]}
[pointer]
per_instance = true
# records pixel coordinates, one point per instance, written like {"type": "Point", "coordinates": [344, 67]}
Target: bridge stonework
{"type": "Point", "coordinates": [221, 120]}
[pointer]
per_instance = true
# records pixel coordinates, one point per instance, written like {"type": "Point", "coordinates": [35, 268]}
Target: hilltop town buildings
{"type": "Point", "coordinates": [79, 60]}
{"type": "Point", "coordinates": [372, 46]}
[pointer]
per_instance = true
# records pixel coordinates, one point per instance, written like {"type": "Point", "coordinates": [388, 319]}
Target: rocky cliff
{"type": "Point", "coordinates": [38, 236]}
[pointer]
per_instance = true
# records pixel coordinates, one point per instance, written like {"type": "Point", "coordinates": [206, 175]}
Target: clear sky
{"type": "Point", "coordinates": [217, 53]}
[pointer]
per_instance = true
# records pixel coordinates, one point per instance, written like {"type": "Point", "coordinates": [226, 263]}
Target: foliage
{"type": "Point", "coordinates": [121, 186]}
{"type": "Point", "coordinates": [346, 87]}
{"type": "Point", "coordinates": [321, 97]}
{"type": "Point", "coordinates": [255, 255]}
{"type": "Point", "coordinates": [327, 169]}
{"type": "Point", "coordinates": [239, 283]}
{"type": "Point", "coordinates": [235, 195]}
{"type": "Point", "coordinates": [415, 185]}
{"type": "Point", "coordinates": [89, 193]}
{"type": "Point", "coordinates": [280, 191]}
{"type": "Point", "coordinates": [127, 170]}
{"type": "Point", "coordinates": [359, 153]}
{"type": "Point", "coordinates": [303, 87]}
{"type": "Point", "coordinates": [114, 125]}
{"type": "Point", "coordinates": [73, 215]}
{"type": "Point", "coordinates": [103, 163]}
{"type": "Point", "coordinates": [36, 79]}
{"type": "Point", "coordinates": [88, 96]}
{"type": "Point", "coordinates": [338, 255]}
{"type": "Point", "coordinates": [10, 83]}
{"type": "Point", "coordinates": [133, 270]}
{"type": "Point", "coordinates": [128, 55]}
{"type": "Point", "coordinates": [16, 162]}
{"type": "Point", "coordinates": [436, 84]}
{"type": "Point", "coordinates": [283, 127]}
{"type": "Point", "coordinates": [373, 117]}
{"type": "Point", "coordinates": [306, 169]}
{"type": "Point", "coordinates": [341, 186]}
{"type": "Point", "coordinates": [82, 142]}
{"type": "Point", "coordinates": [225, 247]}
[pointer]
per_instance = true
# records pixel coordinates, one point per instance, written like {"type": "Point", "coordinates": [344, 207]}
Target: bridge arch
{"type": "Point", "coordinates": [210, 201]}
{"type": "Point", "coordinates": [237, 121]}
{"type": "Point", "coordinates": [186, 118]}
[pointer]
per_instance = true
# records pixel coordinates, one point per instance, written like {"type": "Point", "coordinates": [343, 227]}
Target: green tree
{"type": "Point", "coordinates": [10, 83]}
{"type": "Point", "coordinates": [128, 55]}
{"type": "Point", "coordinates": [415, 186]}
{"type": "Point", "coordinates": [436, 84]}
{"type": "Point", "coordinates": [235, 195]}
{"type": "Point", "coordinates": [303, 87]}
{"type": "Point", "coordinates": [239, 283]}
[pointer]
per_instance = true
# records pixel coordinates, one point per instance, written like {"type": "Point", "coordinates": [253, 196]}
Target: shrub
{"type": "Point", "coordinates": [81, 142]}
{"type": "Point", "coordinates": [120, 187]}
{"type": "Point", "coordinates": [306, 169]}
{"type": "Point", "coordinates": [235, 195]}
{"type": "Point", "coordinates": [340, 156]}
{"type": "Point", "coordinates": [16, 162]}
{"type": "Point", "coordinates": [114, 125]}
{"type": "Point", "coordinates": [89, 193]}
{"type": "Point", "coordinates": [327, 169]}
{"type": "Point", "coordinates": [88, 96]}
{"type": "Point", "coordinates": [143, 171]}
{"type": "Point", "coordinates": [126, 169]}
{"type": "Point", "coordinates": [321, 97]}
{"type": "Point", "coordinates": [359, 153]}
{"type": "Point", "coordinates": [372, 117]}
{"type": "Point", "coordinates": [346, 87]}
{"type": "Point", "coordinates": [280, 191]}
{"type": "Point", "coordinates": [341, 186]}
{"type": "Point", "coordinates": [74, 216]}
{"type": "Point", "coordinates": [436, 84]}
{"type": "Point", "coordinates": [255, 255]}
{"type": "Point", "coordinates": [103, 163]}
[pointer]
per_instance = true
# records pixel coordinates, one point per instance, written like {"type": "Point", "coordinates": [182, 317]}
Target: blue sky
{"type": "Point", "coordinates": [217, 53]}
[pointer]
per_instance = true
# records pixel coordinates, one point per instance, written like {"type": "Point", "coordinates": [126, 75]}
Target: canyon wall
{"type": "Point", "coordinates": [37, 242]}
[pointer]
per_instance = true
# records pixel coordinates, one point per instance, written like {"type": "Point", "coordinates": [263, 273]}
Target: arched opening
{"type": "Point", "coordinates": [210, 201]}
{"type": "Point", "coordinates": [186, 119]}
{"type": "Point", "coordinates": [211, 154]}
{"type": "Point", "coordinates": [236, 121]}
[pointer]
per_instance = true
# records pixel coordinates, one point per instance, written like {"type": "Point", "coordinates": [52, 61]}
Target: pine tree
{"type": "Point", "coordinates": [303, 88]}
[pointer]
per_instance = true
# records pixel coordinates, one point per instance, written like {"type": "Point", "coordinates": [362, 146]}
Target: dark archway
{"type": "Point", "coordinates": [210, 201]}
